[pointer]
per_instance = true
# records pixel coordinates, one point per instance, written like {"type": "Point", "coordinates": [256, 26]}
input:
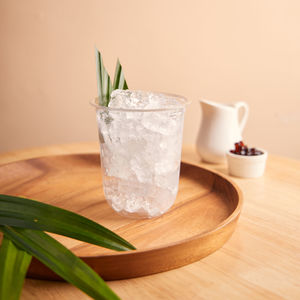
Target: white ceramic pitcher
{"type": "Point", "coordinates": [220, 129]}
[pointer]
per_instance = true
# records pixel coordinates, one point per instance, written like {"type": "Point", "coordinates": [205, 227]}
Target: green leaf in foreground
{"type": "Point", "coordinates": [26, 213]}
{"type": "Point", "coordinates": [103, 81]}
{"type": "Point", "coordinates": [60, 260]}
{"type": "Point", "coordinates": [119, 79]}
{"type": "Point", "coordinates": [14, 263]}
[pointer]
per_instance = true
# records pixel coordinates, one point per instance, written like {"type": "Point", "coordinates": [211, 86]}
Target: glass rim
{"type": "Point", "coordinates": [181, 99]}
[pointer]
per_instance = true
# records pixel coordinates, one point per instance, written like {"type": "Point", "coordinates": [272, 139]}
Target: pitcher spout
{"type": "Point", "coordinates": [208, 104]}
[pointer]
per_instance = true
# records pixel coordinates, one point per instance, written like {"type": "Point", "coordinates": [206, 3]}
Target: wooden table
{"type": "Point", "coordinates": [260, 261]}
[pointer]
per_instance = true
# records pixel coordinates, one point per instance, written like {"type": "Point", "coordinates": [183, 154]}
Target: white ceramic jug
{"type": "Point", "coordinates": [220, 129]}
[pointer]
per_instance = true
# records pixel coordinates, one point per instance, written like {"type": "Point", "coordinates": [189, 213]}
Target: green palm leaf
{"type": "Point", "coordinates": [119, 79]}
{"type": "Point", "coordinates": [60, 260]}
{"type": "Point", "coordinates": [26, 213]}
{"type": "Point", "coordinates": [103, 81]}
{"type": "Point", "coordinates": [14, 263]}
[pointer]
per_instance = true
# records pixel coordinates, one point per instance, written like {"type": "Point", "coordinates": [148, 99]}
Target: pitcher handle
{"type": "Point", "coordinates": [244, 119]}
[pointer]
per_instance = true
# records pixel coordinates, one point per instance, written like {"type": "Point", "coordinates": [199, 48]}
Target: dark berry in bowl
{"type": "Point", "coordinates": [241, 149]}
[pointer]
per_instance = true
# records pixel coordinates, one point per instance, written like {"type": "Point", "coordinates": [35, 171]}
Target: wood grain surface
{"type": "Point", "coordinates": [260, 261]}
{"type": "Point", "coordinates": [202, 219]}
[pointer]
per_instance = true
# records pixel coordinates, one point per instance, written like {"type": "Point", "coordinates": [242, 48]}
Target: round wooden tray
{"type": "Point", "coordinates": [202, 219]}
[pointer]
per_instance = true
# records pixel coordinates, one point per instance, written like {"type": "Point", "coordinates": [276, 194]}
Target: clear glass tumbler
{"type": "Point", "coordinates": [140, 152]}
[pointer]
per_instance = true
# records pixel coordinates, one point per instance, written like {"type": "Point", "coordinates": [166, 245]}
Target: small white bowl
{"type": "Point", "coordinates": [247, 166]}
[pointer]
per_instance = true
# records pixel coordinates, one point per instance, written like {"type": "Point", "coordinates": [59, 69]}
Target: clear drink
{"type": "Point", "coordinates": [140, 136]}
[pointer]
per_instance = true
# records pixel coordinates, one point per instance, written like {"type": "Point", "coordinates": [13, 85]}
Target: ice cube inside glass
{"type": "Point", "coordinates": [140, 135]}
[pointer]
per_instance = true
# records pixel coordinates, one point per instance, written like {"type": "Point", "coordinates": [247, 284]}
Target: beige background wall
{"type": "Point", "coordinates": [223, 50]}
